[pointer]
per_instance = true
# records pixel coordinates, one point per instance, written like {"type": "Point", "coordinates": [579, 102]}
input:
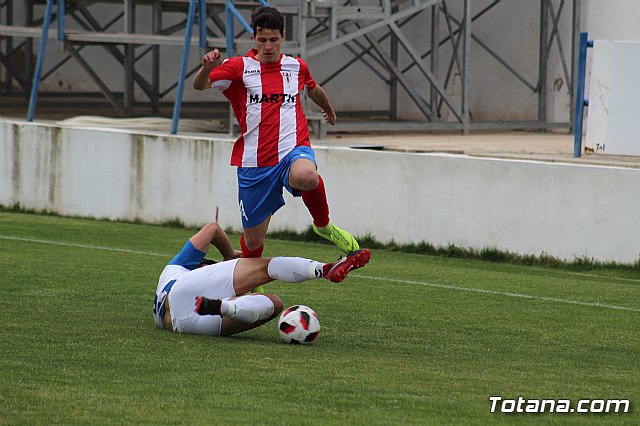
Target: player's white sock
{"type": "Point", "coordinates": [247, 309]}
{"type": "Point", "coordinates": [294, 269]}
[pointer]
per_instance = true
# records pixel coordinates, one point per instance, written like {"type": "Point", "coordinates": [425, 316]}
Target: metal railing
{"type": "Point", "coordinates": [196, 8]}
{"type": "Point", "coordinates": [581, 102]}
{"type": "Point", "coordinates": [201, 5]}
{"type": "Point", "coordinates": [374, 37]}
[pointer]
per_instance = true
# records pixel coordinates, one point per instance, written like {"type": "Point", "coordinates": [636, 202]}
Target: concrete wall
{"type": "Point", "coordinates": [526, 207]}
{"type": "Point", "coordinates": [611, 19]}
{"type": "Point", "coordinates": [116, 175]}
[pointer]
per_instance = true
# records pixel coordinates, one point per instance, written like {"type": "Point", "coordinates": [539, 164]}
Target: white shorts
{"type": "Point", "coordinates": [212, 282]}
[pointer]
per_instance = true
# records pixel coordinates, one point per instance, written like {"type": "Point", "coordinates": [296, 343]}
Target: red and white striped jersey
{"type": "Point", "coordinates": [266, 101]}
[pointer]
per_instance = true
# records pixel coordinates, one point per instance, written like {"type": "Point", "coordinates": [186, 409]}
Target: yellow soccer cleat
{"type": "Point", "coordinates": [339, 237]}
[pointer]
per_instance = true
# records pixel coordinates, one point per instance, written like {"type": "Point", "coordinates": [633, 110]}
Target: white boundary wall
{"type": "Point", "coordinates": [528, 207]}
{"type": "Point", "coordinates": [613, 98]}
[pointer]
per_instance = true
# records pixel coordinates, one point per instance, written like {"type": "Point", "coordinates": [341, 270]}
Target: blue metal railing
{"type": "Point", "coordinates": [231, 13]}
{"type": "Point", "coordinates": [195, 6]}
{"type": "Point", "coordinates": [201, 5]}
{"type": "Point", "coordinates": [581, 102]}
{"type": "Point", "coordinates": [35, 86]}
{"type": "Point", "coordinates": [37, 75]}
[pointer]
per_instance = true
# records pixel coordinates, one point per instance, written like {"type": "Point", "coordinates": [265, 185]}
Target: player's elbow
{"type": "Point", "coordinates": [200, 82]}
{"type": "Point", "coordinates": [215, 227]}
{"type": "Point", "coordinates": [313, 93]}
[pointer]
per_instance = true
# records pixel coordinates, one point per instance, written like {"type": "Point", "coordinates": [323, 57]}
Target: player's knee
{"type": "Point", "coordinates": [252, 242]}
{"type": "Point", "coordinates": [306, 179]}
{"type": "Point", "coordinates": [278, 306]}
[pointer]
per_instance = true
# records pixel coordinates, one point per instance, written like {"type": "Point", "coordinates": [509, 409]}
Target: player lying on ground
{"type": "Point", "coordinates": [197, 297]}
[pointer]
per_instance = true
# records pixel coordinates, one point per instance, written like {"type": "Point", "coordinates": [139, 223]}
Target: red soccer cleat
{"type": "Point", "coordinates": [354, 260]}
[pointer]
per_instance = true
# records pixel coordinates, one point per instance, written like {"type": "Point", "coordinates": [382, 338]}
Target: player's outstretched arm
{"type": "Point", "coordinates": [209, 61]}
{"type": "Point", "coordinates": [319, 96]}
{"type": "Point", "coordinates": [221, 241]}
{"type": "Point", "coordinates": [213, 234]}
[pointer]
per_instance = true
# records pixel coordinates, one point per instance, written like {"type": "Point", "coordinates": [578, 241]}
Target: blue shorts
{"type": "Point", "coordinates": [260, 188]}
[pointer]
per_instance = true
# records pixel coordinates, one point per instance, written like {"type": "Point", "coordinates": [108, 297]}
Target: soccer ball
{"type": "Point", "coordinates": [299, 324]}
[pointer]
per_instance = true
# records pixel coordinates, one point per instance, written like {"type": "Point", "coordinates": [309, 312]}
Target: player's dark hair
{"type": "Point", "coordinates": [267, 17]}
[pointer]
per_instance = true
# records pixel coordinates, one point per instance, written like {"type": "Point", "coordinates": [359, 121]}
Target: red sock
{"type": "Point", "coordinates": [316, 202]}
{"type": "Point", "coordinates": [250, 253]}
{"type": "Point", "coordinates": [325, 268]}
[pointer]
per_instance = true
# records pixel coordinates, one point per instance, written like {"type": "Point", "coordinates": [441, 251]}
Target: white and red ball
{"type": "Point", "coordinates": [299, 324]}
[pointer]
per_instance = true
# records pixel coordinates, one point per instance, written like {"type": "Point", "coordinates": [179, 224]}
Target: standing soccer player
{"type": "Point", "coordinates": [273, 151]}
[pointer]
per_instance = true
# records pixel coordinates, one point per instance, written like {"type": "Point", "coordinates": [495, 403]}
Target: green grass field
{"type": "Point", "coordinates": [410, 339]}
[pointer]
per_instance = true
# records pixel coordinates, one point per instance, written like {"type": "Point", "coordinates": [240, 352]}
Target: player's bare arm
{"type": "Point", "coordinates": [213, 234]}
{"type": "Point", "coordinates": [209, 61]}
{"type": "Point", "coordinates": [319, 97]}
{"type": "Point", "coordinates": [220, 240]}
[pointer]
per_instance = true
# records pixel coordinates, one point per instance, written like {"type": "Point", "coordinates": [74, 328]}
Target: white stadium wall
{"type": "Point", "coordinates": [613, 98]}
{"type": "Point", "coordinates": [611, 19]}
{"type": "Point", "coordinates": [611, 83]}
{"type": "Point", "coordinates": [111, 174]}
{"type": "Point", "coordinates": [527, 207]}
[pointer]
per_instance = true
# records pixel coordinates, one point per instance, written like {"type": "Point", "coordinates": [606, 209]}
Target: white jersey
{"type": "Point", "coordinates": [168, 278]}
{"type": "Point", "coordinates": [182, 281]}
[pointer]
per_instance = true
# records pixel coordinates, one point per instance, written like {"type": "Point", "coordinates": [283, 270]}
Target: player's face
{"type": "Point", "coordinates": [268, 43]}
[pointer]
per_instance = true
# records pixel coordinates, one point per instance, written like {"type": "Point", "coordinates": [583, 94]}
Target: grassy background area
{"type": "Point", "coordinates": [410, 339]}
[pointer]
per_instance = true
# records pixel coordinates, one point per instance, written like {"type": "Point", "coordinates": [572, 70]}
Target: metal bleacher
{"type": "Point", "coordinates": [138, 33]}
{"type": "Point", "coordinates": [118, 36]}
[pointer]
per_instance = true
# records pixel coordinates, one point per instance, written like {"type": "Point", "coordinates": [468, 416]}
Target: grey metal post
{"type": "Point", "coordinates": [28, 59]}
{"type": "Point", "coordinates": [542, 71]}
{"type": "Point", "coordinates": [288, 27]}
{"type": "Point", "coordinates": [155, 58]}
{"type": "Point", "coordinates": [129, 27]}
{"type": "Point", "coordinates": [9, 42]}
{"type": "Point", "coordinates": [466, 75]}
{"type": "Point", "coordinates": [302, 27]}
{"type": "Point", "coordinates": [393, 86]}
{"type": "Point", "coordinates": [435, 57]}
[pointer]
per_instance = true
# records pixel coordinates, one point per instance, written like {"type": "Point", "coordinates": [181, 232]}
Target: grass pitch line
{"type": "Point", "coordinates": [444, 286]}
{"type": "Point", "coordinates": [87, 246]}
{"type": "Point", "coordinates": [496, 292]}
{"type": "Point", "coordinates": [582, 274]}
